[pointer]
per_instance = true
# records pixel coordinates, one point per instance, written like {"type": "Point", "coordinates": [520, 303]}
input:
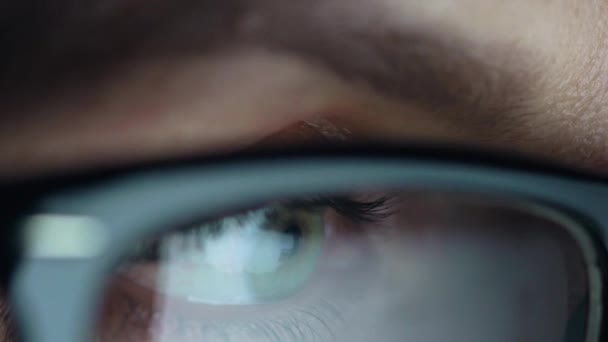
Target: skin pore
{"type": "Point", "coordinates": [86, 85]}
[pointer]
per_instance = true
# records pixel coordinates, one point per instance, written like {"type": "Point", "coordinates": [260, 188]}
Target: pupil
{"type": "Point", "coordinates": [295, 233]}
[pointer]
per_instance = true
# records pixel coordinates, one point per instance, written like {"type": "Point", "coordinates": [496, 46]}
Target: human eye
{"type": "Point", "coordinates": [395, 266]}
{"type": "Point", "coordinates": [253, 275]}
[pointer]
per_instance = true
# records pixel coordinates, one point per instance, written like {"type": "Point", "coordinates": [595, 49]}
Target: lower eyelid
{"type": "Point", "coordinates": [133, 313]}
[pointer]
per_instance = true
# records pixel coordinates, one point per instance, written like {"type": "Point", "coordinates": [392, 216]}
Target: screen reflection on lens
{"type": "Point", "coordinates": [368, 266]}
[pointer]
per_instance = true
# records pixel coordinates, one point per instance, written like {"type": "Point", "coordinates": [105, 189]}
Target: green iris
{"type": "Point", "coordinates": [257, 257]}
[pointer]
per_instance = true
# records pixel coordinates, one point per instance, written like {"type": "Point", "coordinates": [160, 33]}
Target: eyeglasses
{"type": "Point", "coordinates": [368, 245]}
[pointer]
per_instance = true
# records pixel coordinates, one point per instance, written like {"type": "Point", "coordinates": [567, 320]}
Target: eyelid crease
{"type": "Point", "coordinates": [306, 133]}
{"type": "Point", "coordinates": [329, 130]}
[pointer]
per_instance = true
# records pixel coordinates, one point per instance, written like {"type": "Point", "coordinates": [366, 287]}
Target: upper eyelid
{"type": "Point", "coordinates": [357, 210]}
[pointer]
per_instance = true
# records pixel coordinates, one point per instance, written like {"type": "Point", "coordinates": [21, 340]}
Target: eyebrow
{"type": "Point", "coordinates": [53, 46]}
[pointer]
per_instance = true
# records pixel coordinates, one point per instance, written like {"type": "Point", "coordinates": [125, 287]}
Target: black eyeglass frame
{"type": "Point", "coordinates": [54, 298]}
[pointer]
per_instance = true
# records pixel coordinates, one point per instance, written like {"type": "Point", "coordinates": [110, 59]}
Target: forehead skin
{"type": "Point", "coordinates": [85, 85]}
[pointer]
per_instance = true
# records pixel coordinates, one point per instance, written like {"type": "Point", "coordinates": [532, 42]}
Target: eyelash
{"type": "Point", "coordinates": [358, 211]}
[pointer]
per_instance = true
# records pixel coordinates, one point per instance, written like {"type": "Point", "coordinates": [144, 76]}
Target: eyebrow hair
{"type": "Point", "coordinates": [49, 47]}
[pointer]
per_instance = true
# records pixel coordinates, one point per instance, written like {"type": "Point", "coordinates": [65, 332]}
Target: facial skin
{"type": "Point", "coordinates": [120, 82]}
{"type": "Point", "coordinates": [114, 86]}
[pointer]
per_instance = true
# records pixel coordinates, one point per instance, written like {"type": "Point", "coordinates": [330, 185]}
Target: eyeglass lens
{"type": "Point", "coordinates": [415, 266]}
{"type": "Point", "coordinates": [373, 266]}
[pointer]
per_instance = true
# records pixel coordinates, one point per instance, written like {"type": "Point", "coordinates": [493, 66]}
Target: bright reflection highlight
{"type": "Point", "coordinates": [63, 236]}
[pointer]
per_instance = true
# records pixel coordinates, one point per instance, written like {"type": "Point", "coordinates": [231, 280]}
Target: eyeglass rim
{"type": "Point", "coordinates": [551, 191]}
